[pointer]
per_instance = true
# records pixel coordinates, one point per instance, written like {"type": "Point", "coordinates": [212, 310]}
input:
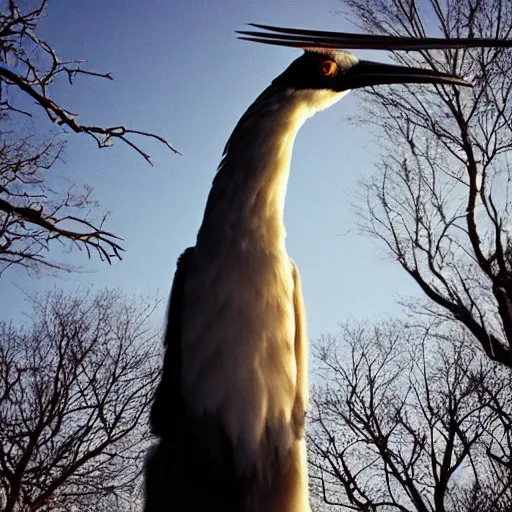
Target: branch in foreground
{"type": "Point", "coordinates": [96, 238]}
{"type": "Point", "coordinates": [103, 136]}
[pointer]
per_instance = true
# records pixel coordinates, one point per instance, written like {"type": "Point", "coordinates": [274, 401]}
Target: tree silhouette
{"type": "Point", "coordinates": [32, 215]}
{"type": "Point", "coordinates": [75, 388]}
{"type": "Point", "coordinates": [440, 202]}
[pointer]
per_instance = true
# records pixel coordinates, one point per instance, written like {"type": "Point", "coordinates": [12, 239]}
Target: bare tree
{"type": "Point", "coordinates": [75, 388]}
{"type": "Point", "coordinates": [404, 421]}
{"type": "Point", "coordinates": [441, 201]}
{"type": "Point", "coordinates": [31, 216]}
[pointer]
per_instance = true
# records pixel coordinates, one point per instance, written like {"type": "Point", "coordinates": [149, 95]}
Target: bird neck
{"type": "Point", "coordinates": [246, 202]}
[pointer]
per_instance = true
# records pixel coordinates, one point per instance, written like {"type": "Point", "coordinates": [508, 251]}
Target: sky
{"type": "Point", "coordinates": [180, 72]}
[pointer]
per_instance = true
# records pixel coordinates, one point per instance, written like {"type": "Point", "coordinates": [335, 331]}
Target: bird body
{"type": "Point", "coordinates": [243, 335]}
{"type": "Point", "coordinates": [230, 407]}
{"type": "Point", "coordinates": [250, 318]}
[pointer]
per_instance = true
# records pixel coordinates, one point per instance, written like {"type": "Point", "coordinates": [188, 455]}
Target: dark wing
{"type": "Point", "coordinates": [168, 403]}
{"type": "Point", "coordinates": [302, 38]}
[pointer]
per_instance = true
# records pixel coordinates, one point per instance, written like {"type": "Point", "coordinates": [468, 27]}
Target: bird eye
{"type": "Point", "coordinates": [328, 68]}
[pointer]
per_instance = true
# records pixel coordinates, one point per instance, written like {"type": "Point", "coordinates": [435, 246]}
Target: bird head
{"type": "Point", "coordinates": [321, 77]}
{"type": "Point", "coordinates": [340, 71]}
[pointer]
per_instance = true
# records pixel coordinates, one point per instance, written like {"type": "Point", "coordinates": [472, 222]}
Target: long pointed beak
{"type": "Point", "coordinates": [300, 38]}
{"type": "Point", "coordinates": [366, 74]}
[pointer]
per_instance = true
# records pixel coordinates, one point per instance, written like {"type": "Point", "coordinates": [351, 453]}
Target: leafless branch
{"type": "Point", "coordinates": [404, 420]}
{"type": "Point", "coordinates": [37, 66]}
{"type": "Point", "coordinates": [75, 386]}
{"type": "Point", "coordinates": [439, 202]}
{"type": "Point", "coordinates": [34, 218]}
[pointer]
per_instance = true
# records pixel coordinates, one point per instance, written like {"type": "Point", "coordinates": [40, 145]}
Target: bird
{"type": "Point", "coordinates": [229, 410]}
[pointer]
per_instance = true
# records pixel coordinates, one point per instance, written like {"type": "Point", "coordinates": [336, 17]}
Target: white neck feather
{"type": "Point", "coordinates": [248, 194]}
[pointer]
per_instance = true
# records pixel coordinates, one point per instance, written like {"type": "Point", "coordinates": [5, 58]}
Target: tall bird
{"type": "Point", "coordinates": [230, 407]}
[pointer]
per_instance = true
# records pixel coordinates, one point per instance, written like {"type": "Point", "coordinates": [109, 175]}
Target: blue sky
{"type": "Point", "coordinates": [180, 72]}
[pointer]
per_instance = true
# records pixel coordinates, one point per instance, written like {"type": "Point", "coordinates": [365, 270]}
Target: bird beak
{"type": "Point", "coordinates": [367, 74]}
